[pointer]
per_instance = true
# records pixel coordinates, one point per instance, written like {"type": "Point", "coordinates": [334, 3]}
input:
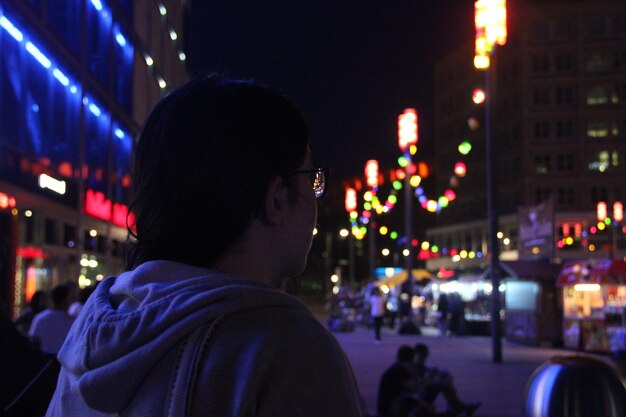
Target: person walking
{"type": "Point", "coordinates": [50, 327]}
{"type": "Point", "coordinates": [225, 208]}
{"type": "Point", "coordinates": [377, 312]}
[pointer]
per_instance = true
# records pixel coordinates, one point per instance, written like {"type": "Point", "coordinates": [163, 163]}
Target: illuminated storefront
{"type": "Point", "coordinates": [594, 304]}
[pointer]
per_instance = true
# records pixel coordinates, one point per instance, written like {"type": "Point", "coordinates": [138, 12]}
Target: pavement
{"type": "Point", "coordinates": [499, 386]}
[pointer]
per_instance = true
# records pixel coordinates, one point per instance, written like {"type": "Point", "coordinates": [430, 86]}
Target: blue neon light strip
{"type": "Point", "coordinates": [9, 27]}
{"type": "Point", "coordinates": [61, 77]}
{"type": "Point", "coordinates": [97, 4]}
{"type": "Point", "coordinates": [39, 56]}
{"type": "Point", "coordinates": [36, 53]}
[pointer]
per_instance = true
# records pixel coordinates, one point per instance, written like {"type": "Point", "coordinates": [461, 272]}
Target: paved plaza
{"type": "Point", "coordinates": [500, 387]}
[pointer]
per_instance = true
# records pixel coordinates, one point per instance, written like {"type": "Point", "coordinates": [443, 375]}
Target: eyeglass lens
{"type": "Point", "coordinates": [319, 182]}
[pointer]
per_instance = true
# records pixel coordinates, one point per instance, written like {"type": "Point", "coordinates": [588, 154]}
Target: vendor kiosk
{"type": "Point", "coordinates": [594, 304]}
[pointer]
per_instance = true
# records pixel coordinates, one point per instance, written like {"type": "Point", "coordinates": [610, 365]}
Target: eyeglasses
{"type": "Point", "coordinates": [318, 178]}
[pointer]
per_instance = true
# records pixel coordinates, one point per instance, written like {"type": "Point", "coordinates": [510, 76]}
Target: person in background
{"type": "Point", "coordinates": [83, 295]}
{"type": "Point", "coordinates": [377, 311]}
{"type": "Point", "coordinates": [432, 381]}
{"type": "Point", "coordinates": [392, 307]}
{"type": "Point", "coordinates": [442, 313]}
{"type": "Point", "coordinates": [225, 209]}
{"type": "Point", "coordinates": [50, 327]}
{"type": "Point", "coordinates": [397, 390]}
{"type": "Point", "coordinates": [28, 376]}
{"type": "Point", "coordinates": [37, 304]}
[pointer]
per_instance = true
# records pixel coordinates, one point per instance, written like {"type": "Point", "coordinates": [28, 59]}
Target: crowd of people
{"type": "Point", "coordinates": [30, 345]}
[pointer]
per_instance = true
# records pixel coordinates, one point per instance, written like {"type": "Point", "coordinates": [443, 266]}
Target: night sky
{"type": "Point", "coordinates": [351, 67]}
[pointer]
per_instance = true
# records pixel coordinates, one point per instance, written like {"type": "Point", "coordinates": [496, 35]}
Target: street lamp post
{"type": "Point", "coordinates": [371, 177]}
{"type": "Point", "coordinates": [490, 21]}
{"type": "Point", "coordinates": [351, 206]}
{"type": "Point", "coordinates": [407, 138]}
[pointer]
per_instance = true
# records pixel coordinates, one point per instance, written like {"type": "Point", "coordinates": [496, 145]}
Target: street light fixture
{"type": "Point", "coordinates": [371, 178]}
{"type": "Point", "coordinates": [490, 22]}
{"type": "Point", "coordinates": [407, 142]}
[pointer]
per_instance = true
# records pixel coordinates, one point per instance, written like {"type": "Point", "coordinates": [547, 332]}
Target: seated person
{"type": "Point", "coordinates": [432, 381]}
{"type": "Point", "coordinates": [398, 385]}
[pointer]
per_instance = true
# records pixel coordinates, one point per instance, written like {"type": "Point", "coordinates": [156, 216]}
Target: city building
{"type": "Point", "coordinates": [77, 79]}
{"type": "Point", "coordinates": [558, 125]}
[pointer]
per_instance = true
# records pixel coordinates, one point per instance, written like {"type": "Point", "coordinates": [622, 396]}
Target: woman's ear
{"type": "Point", "coordinates": [275, 202]}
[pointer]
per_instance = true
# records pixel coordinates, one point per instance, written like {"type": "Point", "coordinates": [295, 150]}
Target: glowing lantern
{"type": "Point", "coordinates": [407, 129]}
{"type": "Point", "coordinates": [371, 173]}
{"type": "Point", "coordinates": [460, 169]}
{"type": "Point", "coordinates": [350, 199]}
{"type": "Point", "coordinates": [422, 170]}
{"type": "Point", "coordinates": [431, 206]}
{"type": "Point", "coordinates": [566, 229]}
{"type": "Point", "coordinates": [465, 147]}
{"type": "Point", "coordinates": [473, 123]}
{"type": "Point", "coordinates": [490, 23]}
{"type": "Point", "coordinates": [478, 96]}
{"type": "Point", "coordinates": [618, 211]}
{"type": "Point", "coordinates": [450, 195]}
{"type": "Point", "coordinates": [601, 211]}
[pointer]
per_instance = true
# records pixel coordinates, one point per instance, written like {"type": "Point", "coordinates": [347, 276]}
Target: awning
{"type": "Point", "coordinates": [593, 271]}
{"type": "Point", "coordinates": [400, 277]}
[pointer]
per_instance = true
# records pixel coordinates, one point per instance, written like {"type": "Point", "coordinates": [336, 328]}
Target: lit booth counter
{"type": "Point", "coordinates": [531, 303]}
{"type": "Point", "coordinates": [594, 305]}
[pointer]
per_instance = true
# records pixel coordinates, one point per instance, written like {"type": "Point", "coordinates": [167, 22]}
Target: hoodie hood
{"type": "Point", "coordinates": [133, 320]}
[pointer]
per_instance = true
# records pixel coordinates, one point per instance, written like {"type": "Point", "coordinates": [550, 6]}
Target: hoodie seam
{"type": "Point", "coordinates": [110, 315]}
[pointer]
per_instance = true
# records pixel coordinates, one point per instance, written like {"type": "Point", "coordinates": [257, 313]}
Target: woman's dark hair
{"type": "Point", "coordinates": [202, 165]}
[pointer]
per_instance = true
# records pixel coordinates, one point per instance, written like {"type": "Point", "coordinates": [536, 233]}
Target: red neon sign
{"type": "Point", "coordinates": [98, 206]}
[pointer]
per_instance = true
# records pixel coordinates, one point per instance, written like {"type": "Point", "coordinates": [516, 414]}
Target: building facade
{"type": "Point", "coordinates": [76, 81]}
{"type": "Point", "coordinates": [558, 126]}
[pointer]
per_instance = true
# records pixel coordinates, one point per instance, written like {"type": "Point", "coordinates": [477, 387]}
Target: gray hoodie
{"type": "Point", "coordinates": [264, 355]}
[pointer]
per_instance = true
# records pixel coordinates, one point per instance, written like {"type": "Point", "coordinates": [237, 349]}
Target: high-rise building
{"type": "Point", "coordinates": [558, 126]}
{"type": "Point", "coordinates": [77, 79]}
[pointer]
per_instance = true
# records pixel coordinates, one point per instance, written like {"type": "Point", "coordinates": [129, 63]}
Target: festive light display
{"type": "Point", "coordinates": [490, 23]}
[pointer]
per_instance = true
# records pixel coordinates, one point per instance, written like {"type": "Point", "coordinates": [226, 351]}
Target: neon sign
{"type": "Point", "coordinates": [98, 206]}
{"type": "Point", "coordinates": [58, 186]}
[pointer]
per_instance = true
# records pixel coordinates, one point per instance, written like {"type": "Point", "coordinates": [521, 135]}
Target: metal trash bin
{"type": "Point", "coordinates": [576, 386]}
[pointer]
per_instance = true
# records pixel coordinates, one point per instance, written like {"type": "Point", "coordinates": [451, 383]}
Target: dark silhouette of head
{"type": "Point", "coordinates": [202, 165]}
{"type": "Point", "coordinates": [405, 354]}
{"type": "Point", "coordinates": [39, 301]}
{"type": "Point", "coordinates": [421, 352]}
{"type": "Point", "coordinates": [61, 296]}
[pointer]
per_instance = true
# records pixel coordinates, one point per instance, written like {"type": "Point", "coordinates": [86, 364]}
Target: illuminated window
{"type": "Point", "coordinates": [599, 162]}
{"type": "Point", "coordinates": [596, 95]}
{"type": "Point", "coordinates": [597, 129]}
